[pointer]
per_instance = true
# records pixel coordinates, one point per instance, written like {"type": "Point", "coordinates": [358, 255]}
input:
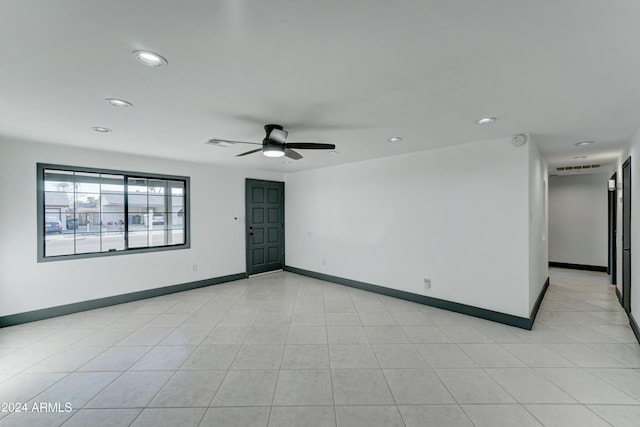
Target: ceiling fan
{"type": "Point", "coordinates": [275, 144]}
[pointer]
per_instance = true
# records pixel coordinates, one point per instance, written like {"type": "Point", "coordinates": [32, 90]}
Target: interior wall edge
{"type": "Point", "coordinates": [634, 327]}
{"type": "Point", "coordinates": [536, 306]}
{"type": "Point", "coordinates": [619, 295]}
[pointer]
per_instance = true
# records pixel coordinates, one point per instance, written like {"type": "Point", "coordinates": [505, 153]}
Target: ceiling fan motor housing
{"type": "Point", "coordinates": [269, 128]}
{"type": "Point", "coordinates": [271, 143]}
{"type": "Point", "coordinates": [271, 147]}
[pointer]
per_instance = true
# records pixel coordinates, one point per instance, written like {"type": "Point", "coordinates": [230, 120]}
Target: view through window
{"type": "Point", "coordinates": [88, 211]}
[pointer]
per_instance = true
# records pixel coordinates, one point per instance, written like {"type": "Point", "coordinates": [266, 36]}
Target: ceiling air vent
{"type": "Point", "coordinates": [577, 167]}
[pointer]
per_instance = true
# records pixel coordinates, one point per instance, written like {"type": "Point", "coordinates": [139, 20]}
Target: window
{"type": "Point", "coordinates": [84, 212]}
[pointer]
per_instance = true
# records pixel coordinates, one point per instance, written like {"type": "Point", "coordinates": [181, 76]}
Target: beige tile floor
{"type": "Point", "coordinates": [287, 350]}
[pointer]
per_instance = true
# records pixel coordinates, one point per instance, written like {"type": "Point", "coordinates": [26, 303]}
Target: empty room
{"type": "Point", "coordinates": [319, 213]}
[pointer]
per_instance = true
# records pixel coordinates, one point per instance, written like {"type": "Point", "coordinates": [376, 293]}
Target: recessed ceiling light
{"type": "Point", "coordinates": [395, 139]}
{"type": "Point", "coordinates": [580, 157]}
{"type": "Point", "coordinates": [333, 153]}
{"type": "Point", "coordinates": [486, 120]}
{"type": "Point", "coordinates": [149, 59]}
{"type": "Point", "coordinates": [583, 143]}
{"type": "Point", "coordinates": [100, 129]}
{"type": "Point", "coordinates": [120, 103]}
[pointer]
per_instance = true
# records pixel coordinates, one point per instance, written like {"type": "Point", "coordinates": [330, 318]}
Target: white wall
{"type": "Point", "coordinates": [217, 240]}
{"type": "Point", "coordinates": [578, 219]}
{"type": "Point", "coordinates": [538, 223]}
{"type": "Point", "coordinates": [459, 216]}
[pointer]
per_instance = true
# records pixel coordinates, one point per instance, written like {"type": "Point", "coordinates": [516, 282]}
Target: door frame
{"type": "Point", "coordinates": [613, 230]}
{"type": "Point", "coordinates": [247, 226]}
{"type": "Point", "coordinates": [626, 236]}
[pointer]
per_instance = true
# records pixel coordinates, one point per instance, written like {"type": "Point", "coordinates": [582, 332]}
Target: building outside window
{"type": "Point", "coordinates": [88, 212]}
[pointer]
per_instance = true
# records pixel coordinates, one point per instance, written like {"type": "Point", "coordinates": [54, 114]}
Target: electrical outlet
{"type": "Point", "coordinates": [427, 283]}
{"type": "Point", "coordinates": [324, 262]}
{"type": "Point", "coordinates": [195, 267]}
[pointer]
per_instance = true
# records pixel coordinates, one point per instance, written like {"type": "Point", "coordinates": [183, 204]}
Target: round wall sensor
{"type": "Point", "coordinates": [519, 140]}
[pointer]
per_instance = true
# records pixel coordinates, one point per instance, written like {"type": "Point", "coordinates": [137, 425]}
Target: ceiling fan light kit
{"type": "Point", "coordinates": [273, 150]}
{"type": "Point", "coordinates": [275, 144]}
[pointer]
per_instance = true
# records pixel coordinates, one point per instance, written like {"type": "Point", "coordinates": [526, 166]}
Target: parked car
{"type": "Point", "coordinates": [53, 226]}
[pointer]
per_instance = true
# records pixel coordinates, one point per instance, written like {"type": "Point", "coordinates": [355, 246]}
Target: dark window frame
{"type": "Point", "coordinates": [40, 206]}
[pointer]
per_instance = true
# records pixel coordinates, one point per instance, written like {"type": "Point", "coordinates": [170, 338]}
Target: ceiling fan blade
{"type": "Point", "coordinates": [278, 135]}
{"type": "Point", "coordinates": [292, 154]}
{"type": "Point", "coordinates": [304, 119]}
{"type": "Point", "coordinates": [310, 146]}
{"type": "Point", "coordinates": [324, 126]}
{"type": "Point", "coordinates": [216, 141]}
{"type": "Point", "coordinates": [247, 118]}
{"type": "Point", "coordinates": [249, 152]}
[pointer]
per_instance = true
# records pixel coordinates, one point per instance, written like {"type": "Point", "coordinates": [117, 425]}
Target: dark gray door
{"type": "Point", "coordinates": [264, 225]}
{"type": "Point", "coordinates": [626, 235]}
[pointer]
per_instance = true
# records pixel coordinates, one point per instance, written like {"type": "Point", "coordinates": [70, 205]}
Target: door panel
{"type": "Point", "coordinates": [273, 235]}
{"type": "Point", "coordinates": [258, 256]}
{"type": "Point", "coordinates": [626, 235]}
{"type": "Point", "coordinates": [257, 215]}
{"type": "Point", "coordinates": [258, 194]}
{"type": "Point", "coordinates": [273, 215]}
{"type": "Point", "coordinates": [264, 226]}
{"type": "Point", "coordinates": [274, 255]}
{"type": "Point", "coordinates": [274, 195]}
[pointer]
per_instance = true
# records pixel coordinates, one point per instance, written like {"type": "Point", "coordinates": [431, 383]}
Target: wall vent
{"type": "Point", "coordinates": [577, 167]}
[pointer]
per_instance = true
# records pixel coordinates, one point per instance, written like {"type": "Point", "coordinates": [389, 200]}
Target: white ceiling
{"type": "Point", "coordinates": [352, 73]}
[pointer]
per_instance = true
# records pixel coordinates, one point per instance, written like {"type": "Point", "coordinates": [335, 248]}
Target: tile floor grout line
{"type": "Point", "coordinates": [275, 387]}
{"type": "Point", "coordinates": [457, 403]}
{"type": "Point", "coordinates": [589, 370]}
{"type": "Point", "coordinates": [234, 357]}
{"type": "Point", "coordinates": [326, 326]}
